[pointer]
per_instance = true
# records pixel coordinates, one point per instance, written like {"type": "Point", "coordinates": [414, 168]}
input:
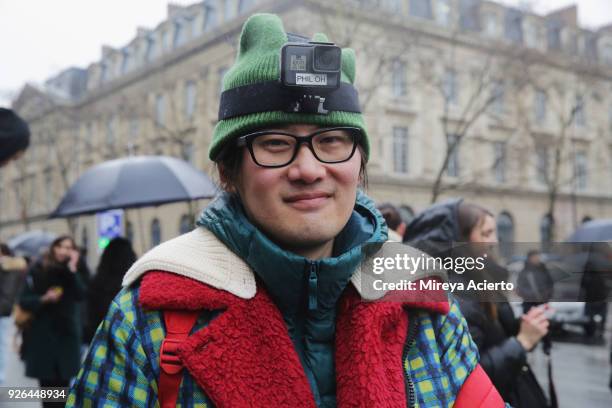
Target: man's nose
{"type": "Point", "coordinates": [306, 167]}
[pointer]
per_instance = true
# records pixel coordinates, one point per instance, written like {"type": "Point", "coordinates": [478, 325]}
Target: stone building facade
{"type": "Point", "coordinates": [470, 98]}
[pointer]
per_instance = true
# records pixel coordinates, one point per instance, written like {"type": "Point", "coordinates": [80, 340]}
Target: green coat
{"type": "Point", "coordinates": [51, 345]}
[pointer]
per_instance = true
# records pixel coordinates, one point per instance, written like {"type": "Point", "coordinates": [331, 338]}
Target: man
{"type": "Point", "coordinates": [14, 136]}
{"type": "Point", "coordinates": [271, 273]}
{"type": "Point", "coordinates": [534, 285]}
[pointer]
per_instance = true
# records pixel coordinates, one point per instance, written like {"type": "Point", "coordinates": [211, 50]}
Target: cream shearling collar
{"type": "Point", "coordinates": [200, 255]}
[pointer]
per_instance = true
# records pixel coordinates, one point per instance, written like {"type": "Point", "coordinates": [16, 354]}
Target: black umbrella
{"type": "Point", "coordinates": [593, 231]}
{"type": "Point", "coordinates": [31, 243]}
{"type": "Point", "coordinates": [133, 182]}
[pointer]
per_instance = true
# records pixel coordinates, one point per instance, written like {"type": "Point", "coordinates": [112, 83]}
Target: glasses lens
{"type": "Point", "coordinates": [273, 150]}
{"type": "Point", "coordinates": [336, 145]}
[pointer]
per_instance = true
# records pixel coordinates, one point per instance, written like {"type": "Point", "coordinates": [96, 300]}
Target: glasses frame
{"type": "Point", "coordinates": [247, 140]}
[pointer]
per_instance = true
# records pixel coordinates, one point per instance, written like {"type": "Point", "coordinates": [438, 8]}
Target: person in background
{"type": "Point", "coordinates": [12, 274]}
{"type": "Point", "coordinates": [115, 261]}
{"type": "Point", "coordinates": [14, 136]}
{"type": "Point", "coordinates": [534, 284]}
{"type": "Point", "coordinates": [51, 347]}
{"type": "Point", "coordinates": [503, 341]}
{"type": "Point", "coordinates": [393, 218]}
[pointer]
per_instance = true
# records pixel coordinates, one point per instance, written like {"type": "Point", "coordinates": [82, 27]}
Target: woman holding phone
{"type": "Point", "coordinates": [51, 348]}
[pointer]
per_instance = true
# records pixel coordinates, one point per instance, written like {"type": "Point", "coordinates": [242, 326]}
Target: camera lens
{"type": "Point", "coordinates": [327, 58]}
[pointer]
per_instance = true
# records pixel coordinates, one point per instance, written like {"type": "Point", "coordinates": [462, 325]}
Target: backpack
{"type": "Point", "coordinates": [178, 326]}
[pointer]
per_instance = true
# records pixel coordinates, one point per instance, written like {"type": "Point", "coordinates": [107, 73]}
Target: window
{"type": "Point", "coordinates": [513, 26]}
{"type": "Point", "coordinates": [400, 150]}
{"type": "Point", "coordinates": [88, 140]}
{"type": "Point", "coordinates": [468, 14]}
{"type": "Point", "coordinates": [580, 170]}
{"type": "Point", "coordinates": [398, 79]}
{"type": "Point", "coordinates": [48, 187]}
{"type": "Point", "coordinates": [540, 106]}
{"type": "Point", "coordinates": [187, 151]}
{"type": "Point", "coordinates": [606, 53]}
{"type": "Point", "coordinates": [104, 72]}
{"type": "Point", "coordinates": [590, 46]}
{"type": "Point", "coordinates": [572, 43]}
{"type": "Point", "coordinates": [133, 136]}
{"type": "Point", "coordinates": [165, 40]}
{"type": "Point", "coordinates": [579, 111]}
{"type": "Point", "coordinates": [541, 152]}
{"type": "Point", "coordinates": [185, 224]}
{"type": "Point", "coordinates": [392, 6]}
{"type": "Point", "coordinates": [244, 5]}
{"type": "Point", "coordinates": [152, 48]}
{"type": "Point", "coordinates": [531, 34]}
{"type": "Point", "coordinates": [229, 9]}
{"type": "Point", "coordinates": [449, 85]}
{"type": "Point", "coordinates": [554, 35]}
{"type": "Point", "coordinates": [443, 12]}
{"type": "Point", "coordinates": [111, 130]}
{"type": "Point", "coordinates": [505, 234]}
{"type": "Point", "coordinates": [160, 110]}
{"type": "Point", "coordinates": [490, 24]}
{"type": "Point", "coordinates": [497, 96]}
{"type": "Point", "coordinates": [499, 161]}
{"type": "Point", "coordinates": [127, 60]}
{"type": "Point", "coordinates": [155, 233]}
{"type": "Point", "coordinates": [420, 8]}
{"type": "Point", "coordinates": [180, 34]}
{"type": "Point", "coordinates": [546, 230]}
{"type": "Point", "coordinates": [452, 168]}
{"type": "Point", "coordinates": [190, 99]}
{"type": "Point", "coordinates": [210, 15]}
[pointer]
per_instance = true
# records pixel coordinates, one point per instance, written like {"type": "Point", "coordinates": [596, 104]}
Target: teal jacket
{"type": "Point", "coordinates": [255, 346]}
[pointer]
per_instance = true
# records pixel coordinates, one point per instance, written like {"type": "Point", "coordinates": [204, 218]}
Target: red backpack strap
{"type": "Point", "coordinates": [178, 326]}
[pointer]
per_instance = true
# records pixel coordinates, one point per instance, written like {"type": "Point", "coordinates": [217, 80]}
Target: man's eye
{"type": "Point", "coordinates": [275, 143]}
{"type": "Point", "coordinates": [331, 140]}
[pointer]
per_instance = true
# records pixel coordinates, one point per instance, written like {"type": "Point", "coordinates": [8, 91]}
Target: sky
{"type": "Point", "coordinates": [51, 35]}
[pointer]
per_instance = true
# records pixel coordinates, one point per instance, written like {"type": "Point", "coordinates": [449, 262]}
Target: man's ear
{"type": "Point", "coordinates": [226, 180]}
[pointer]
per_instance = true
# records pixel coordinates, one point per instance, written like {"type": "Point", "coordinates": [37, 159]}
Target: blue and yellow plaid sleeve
{"type": "Point", "coordinates": [459, 354]}
{"type": "Point", "coordinates": [113, 373]}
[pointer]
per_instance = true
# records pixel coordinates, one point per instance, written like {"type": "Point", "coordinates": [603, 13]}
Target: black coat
{"type": "Point", "coordinates": [535, 284]}
{"type": "Point", "coordinates": [501, 355]}
{"type": "Point", "coordinates": [52, 343]}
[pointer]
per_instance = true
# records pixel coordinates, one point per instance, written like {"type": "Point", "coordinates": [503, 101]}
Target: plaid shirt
{"type": "Point", "coordinates": [122, 365]}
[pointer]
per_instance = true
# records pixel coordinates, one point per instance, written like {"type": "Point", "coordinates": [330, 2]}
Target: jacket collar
{"type": "Point", "coordinates": [290, 278]}
{"type": "Point", "coordinates": [201, 256]}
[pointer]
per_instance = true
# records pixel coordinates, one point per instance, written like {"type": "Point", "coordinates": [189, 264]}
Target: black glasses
{"type": "Point", "coordinates": [277, 148]}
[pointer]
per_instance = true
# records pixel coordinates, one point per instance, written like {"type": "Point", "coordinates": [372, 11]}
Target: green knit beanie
{"type": "Point", "coordinates": [258, 60]}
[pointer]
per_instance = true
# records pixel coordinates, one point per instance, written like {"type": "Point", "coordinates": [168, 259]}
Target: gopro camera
{"type": "Point", "coordinates": [313, 66]}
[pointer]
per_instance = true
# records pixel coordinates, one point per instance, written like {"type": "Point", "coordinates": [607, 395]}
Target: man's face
{"type": "Point", "coordinates": [304, 204]}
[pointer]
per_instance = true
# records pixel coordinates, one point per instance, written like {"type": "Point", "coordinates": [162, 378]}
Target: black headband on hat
{"type": "Point", "coordinates": [273, 96]}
